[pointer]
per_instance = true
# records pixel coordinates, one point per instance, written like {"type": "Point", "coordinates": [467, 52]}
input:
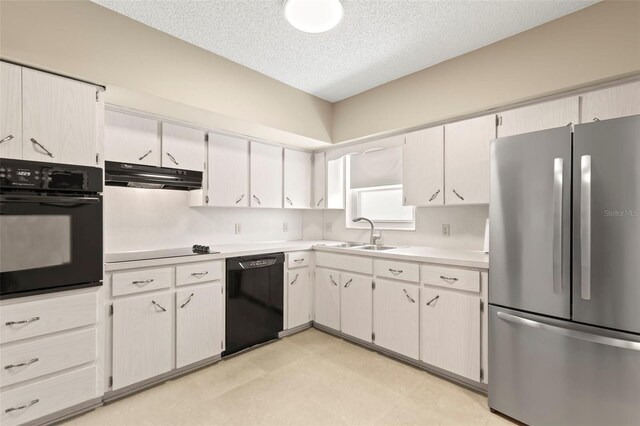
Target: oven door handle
{"type": "Point", "coordinates": [8, 198]}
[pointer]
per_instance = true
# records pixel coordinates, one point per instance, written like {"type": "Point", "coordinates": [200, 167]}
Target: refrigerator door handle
{"type": "Point", "coordinates": [585, 227]}
{"type": "Point", "coordinates": [574, 334]}
{"type": "Point", "coordinates": [558, 170]}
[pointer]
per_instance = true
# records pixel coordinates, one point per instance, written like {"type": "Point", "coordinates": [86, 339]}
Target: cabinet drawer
{"type": "Point", "coordinates": [141, 280]}
{"type": "Point", "coordinates": [362, 265]}
{"type": "Point", "coordinates": [192, 273]}
{"type": "Point", "coordinates": [443, 276]}
{"type": "Point", "coordinates": [29, 319]}
{"type": "Point", "coordinates": [298, 259]}
{"type": "Point", "coordinates": [397, 270]}
{"type": "Point", "coordinates": [24, 361]}
{"type": "Point", "coordinates": [30, 402]}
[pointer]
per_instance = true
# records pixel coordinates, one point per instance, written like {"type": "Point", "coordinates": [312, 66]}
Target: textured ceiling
{"type": "Point", "coordinates": [376, 42]}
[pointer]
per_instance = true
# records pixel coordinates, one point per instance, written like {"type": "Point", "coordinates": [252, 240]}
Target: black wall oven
{"type": "Point", "coordinates": [50, 227]}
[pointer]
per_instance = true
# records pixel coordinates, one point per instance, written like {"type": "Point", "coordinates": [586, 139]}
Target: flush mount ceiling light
{"type": "Point", "coordinates": [313, 16]}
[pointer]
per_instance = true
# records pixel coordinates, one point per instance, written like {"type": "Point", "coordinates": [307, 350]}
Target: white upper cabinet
{"type": "Point", "coordinates": [266, 175]}
{"type": "Point", "coordinates": [131, 139]}
{"type": "Point", "coordinates": [228, 171]}
{"type": "Point", "coordinates": [59, 119]}
{"type": "Point", "coordinates": [297, 179]}
{"type": "Point", "coordinates": [546, 115]}
{"type": "Point", "coordinates": [182, 147]}
{"type": "Point", "coordinates": [614, 102]}
{"type": "Point", "coordinates": [466, 160]}
{"type": "Point", "coordinates": [10, 111]}
{"type": "Point", "coordinates": [335, 183]}
{"type": "Point", "coordinates": [423, 167]}
{"type": "Point", "coordinates": [319, 197]}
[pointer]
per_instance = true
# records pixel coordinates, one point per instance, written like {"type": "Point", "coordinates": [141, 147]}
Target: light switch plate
{"type": "Point", "coordinates": [237, 228]}
{"type": "Point", "coordinates": [446, 230]}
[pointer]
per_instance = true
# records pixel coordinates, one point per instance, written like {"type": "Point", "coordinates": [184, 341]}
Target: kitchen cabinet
{"type": "Point", "coordinates": [132, 139]}
{"type": "Point", "coordinates": [228, 171]}
{"type": "Point", "coordinates": [327, 298]}
{"type": "Point", "coordinates": [198, 323]}
{"type": "Point", "coordinates": [297, 179]}
{"type": "Point", "coordinates": [336, 183]}
{"type": "Point", "coordinates": [182, 147]}
{"type": "Point", "coordinates": [450, 331]}
{"type": "Point", "coordinates": [423, 167]}
{"type": "Point", "coordinates": [59, 119]}
{"type": "Point", "coordinates": [298, 297]}
{"type": "Point", "coordinates": [396, 317]}
{"type": "Point", "coordinates": [266, 175]}
{"type": "Point", "coordinates": [356, 305]}
{"type": "Point", "coordinates": [613, 102]}
{"type": "Point", "coordinates": [545, 115]}
{"type": "Point", "coordinates": [10, 111]}
{"type": "Point", "coordinates": [319, 198]}
{"type": "Point", "coordinates": [466, 160]}
{"type": "Point", "coordinates": [142, 346]}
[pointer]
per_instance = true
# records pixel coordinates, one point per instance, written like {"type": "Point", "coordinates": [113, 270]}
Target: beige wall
{"type": "Point", "coordinates": [85, 40]}
{"type": "Point", "coordinates": [601, 42]}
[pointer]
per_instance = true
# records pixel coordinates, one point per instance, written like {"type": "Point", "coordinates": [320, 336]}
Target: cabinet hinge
{"type": "Point", "coordinates": [405, 200]}
{"type": "Point", "coordinates": [481, 374]}
{"type": "Point", "coordinates": [206, 199]}
{"type": "Point", "coordinates": [110, 381]}
{"type": "Point", "coordinates": [373, 285]}
{"type": "Point", "coordinates": [373, 337]}
{"type": "Point", "coordinates": [221, 290]}
{"type": "Point", "coordinates": [498, 120]}
{"type": "Point", "coordinates": [97, 158]}
{"type": "Point", "coordinates": [97, 96]}
{"type": "Point", "coordinates": [110, 310]}
{"type": "Point", "coordinates": [482, 306]}
{"type": "Point", "coordinates": [221, 344]}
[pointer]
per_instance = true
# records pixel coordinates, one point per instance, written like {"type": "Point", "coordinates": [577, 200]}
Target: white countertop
{"type": "Point", "coordinates": [464, 258]}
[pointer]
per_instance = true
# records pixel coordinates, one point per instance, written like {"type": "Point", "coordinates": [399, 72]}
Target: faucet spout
{"type": "Point", "coordinates": [375, 238]}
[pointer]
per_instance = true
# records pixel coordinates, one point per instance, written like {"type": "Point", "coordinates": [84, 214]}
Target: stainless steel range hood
{"type": "Point", "coordinates": [139, 176]}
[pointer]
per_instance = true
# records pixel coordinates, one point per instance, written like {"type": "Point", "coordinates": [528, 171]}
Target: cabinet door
{"type": "Point", "coordinates": [198, 323]}
{"type": "Point", "coordinates": [614, 102]}
{"type": "Point", "coordinates": [141, 338]}
{"type": "Point", "coordinates": [131, 139]}
{"type": "Point", "coordinates": [319, 199]}
{"type": "Point", "coordinates": [450, 328]}
{"type": "Point", "coordinates": [182, 147]}
{"type": "Point", "coordinates": [335, 183]}
{"type": "Point", "coordinates": [228, 170]}
{"type": "Point", "coordinates": [423, 167]}
{"type": "Point", "coordinates": [466, 163]}
{"type": "Point", "coordinates": [10, 111]}
{"type": "Point", "coordinates": [266, 175]}
{"type": "Point", "coordinates": [396, 317]}
{"type": "Point", "coordinates": [327, 298]}
{"type": "Point", "coordinates": [297, 179]}
{"type": "Point", "coordinates": [546, 115]}
{"type": "Point", "coordinates": [298, 297]}
{"type": "Point", "coordinates": [356, 306]}
{"type": "Point", "coordinates": [59, 119]}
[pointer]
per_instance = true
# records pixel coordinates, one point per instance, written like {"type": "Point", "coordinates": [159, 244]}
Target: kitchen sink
{"type": "Point", "coordinates": [376, 248]}
{"type": "Point", "coordinates": [344, 245]}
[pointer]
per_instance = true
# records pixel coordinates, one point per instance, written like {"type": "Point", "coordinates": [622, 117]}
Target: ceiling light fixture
{"type": "Point", "coordinates": [313, 16]}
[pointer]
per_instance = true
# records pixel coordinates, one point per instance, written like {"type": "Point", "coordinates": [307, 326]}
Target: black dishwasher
{"type": "Point", "coordinates": [254, 304]}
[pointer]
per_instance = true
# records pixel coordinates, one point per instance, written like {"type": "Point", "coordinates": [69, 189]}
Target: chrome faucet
{"type": "Point", "coordinates": [376, 238]}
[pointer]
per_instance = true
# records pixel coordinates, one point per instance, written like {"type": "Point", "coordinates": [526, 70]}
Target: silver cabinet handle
{"type": "Point", "coordinates": [22, 364]}
{"type": "Point", "coordinates": [159, 306]}
{"type": "Point", "coordinates": [452, 279]}
{"type": "Point", "coordinates": [185, 303]}
{"type": "Point", "coordinates": [257, 199]}
{"type": "Point", "coordinates": [143, 157]}
{"type": "Point", "coordinates": [458, 195]}
{"type": "Point", "coordinates": [585, 227]}
{"type": "Point", "coordinates": [332, 280]}
{"type": "Point", "coordinates": [289, 201]}
{"type": "Point", "coordinates": [142, 282]}
{"type": "Point", "coordinates": [35, 142]}
{"type": "Point", "coordinates": [199, 274]}
{"type": "Point", "coordinates": [22, 407]}
{"type": "Point", "coordinates": [433, 300]}
{"type": "Point", "coordinates": [558, 169]}
{"type": "Point", "coordinates": [295, 279]}
{"type": "Point", "coordinates": [574, 334]}
{"type": "Point", "coordinates": [171, 157]}
{"type": "Point", "coordinates": [406, 293]}
{"type": "Point", "coordinates": [395, 271]}
{"type": "Point", "coordinates": [319, 202]}
{"type": "Point", "coordinates": [240, 199]}
{"type": "Point", "coordinates": [348, 283]}
{"type": "Point", "coordinates": [7, 139]}
{"type": "Point", "coordinates": [433, 197]}
{"type": "Point", "coordinates": [27, 321]}
{"type": "Point", "coordinates": [299, 260]}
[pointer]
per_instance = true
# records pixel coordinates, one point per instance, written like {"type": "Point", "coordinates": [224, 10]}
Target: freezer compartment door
{"type": "Point", "coordinates": [530, 222]}
{"type": "Point", "coordinates": [606, 287]}
{"type": "Point", "coordinates": [553, 372]}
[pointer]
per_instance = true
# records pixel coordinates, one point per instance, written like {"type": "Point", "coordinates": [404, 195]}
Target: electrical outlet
{"type": "Point", "coordinates": [446, 230]}
{"type": "Point", "coordinates": [237, 228]}
{"type": "Point", "coordinates": [285, 227]}
{"type": "Point", "coordinates": [327, 227]}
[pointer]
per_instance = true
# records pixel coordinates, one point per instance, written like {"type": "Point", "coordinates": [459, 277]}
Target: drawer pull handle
{"type": "Point", "coordinates": [433, 300]}
{"type": "Point", "coordinates": [406, 293]}
{"type": "Point", "coordinates": [395, 271]}
{"type": "Point", "coordinates": [458, 195]}
{"type": "Point", "coordinates": [240, 199]}
{"type": "Point", "coordinates": [199, 274]}
{"type": "Point", "coordinates": [186, 302]}
{"type": "Point", "coordinates": [159, 306]}
{"type": "Point", "coordinates": [449, 279]}
{"type": "Point", "coordinates": [295, 279]}
{"type": "Point", "coordinates": [319, 202]}
{"type": "Point", "coordinates": [299, 260]}
{"type": "Point", "coordinates": [27, 321]}
{"type": "Point", "coordinates": [143, 282]}
{"type": "Point", "coordinates": [22, 364]}
{"type": "Point", "coordinates": [289, 201]}
{"type": "Point", "coordinates": [172, 158]}
{"type": "Point", "coordinates": [7, 139]}
{"type": "Point", "coordinates": [348, 283]}
{"type": "Point", "coordinates": [332, 280]}
{"type": "Point", "coordinates": [257, 200]}
{"type": "Point", "coordinates": [22, 407]}
{"type": "Point", "coordinates": [36, 143]}
{"type": "Point", "coordinates": [143, 157]}
{"type": "Point", "coordinates": [435, 194]}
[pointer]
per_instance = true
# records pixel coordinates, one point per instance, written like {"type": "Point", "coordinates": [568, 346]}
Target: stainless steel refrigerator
{"type": "Point", "coordinates": [564, 280]}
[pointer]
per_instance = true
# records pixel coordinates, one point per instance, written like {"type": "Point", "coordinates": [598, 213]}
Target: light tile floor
{"type": "Point", "coordinates": [311, 378]}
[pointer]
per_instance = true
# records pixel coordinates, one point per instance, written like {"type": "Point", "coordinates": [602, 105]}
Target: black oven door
{"type": "Point", "coordinates": [49, 242]}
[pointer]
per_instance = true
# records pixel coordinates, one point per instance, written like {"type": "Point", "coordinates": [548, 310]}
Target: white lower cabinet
{"type": "Point", "coordinates": [198, 323]}
{"type": "Point", "coordinates": [298, 297]}
{"type": "Point", "coordinates": [450, 331]}
{"type": "Point", "coordinates": [356, 305]}
{"type": "Point", "coordinates": [396, 317]}
{"type": "Point", "coordinates": [327, 298]}
{"type": "Point", "coordinates": [142, 344]}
